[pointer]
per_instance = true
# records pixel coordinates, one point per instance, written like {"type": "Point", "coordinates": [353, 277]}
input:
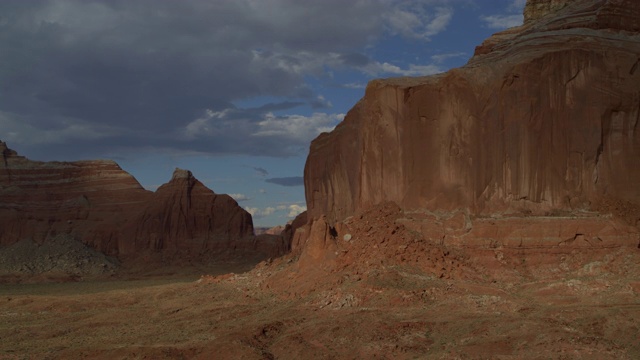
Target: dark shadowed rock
{"type": "Point", "coordinates": [290, 231]}
{"type": "Point", "coordinates": [61, 255]}
{"type": "Point", "coordinates": [183, 214]}
{"type": "Point", "coordinates": [39, 200]}
{"type": "Point", "coordinates": [101, 205]}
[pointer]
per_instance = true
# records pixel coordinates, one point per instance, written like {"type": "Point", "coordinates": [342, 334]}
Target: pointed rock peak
{"type": "Point", "coordinates": [536, 9]}
{"type": "Point", "coordinates": [5, 154]}
{"type": "Point", "coordinates": [181, 174]}
{"type": "Point", "coordinates": [4, 149]}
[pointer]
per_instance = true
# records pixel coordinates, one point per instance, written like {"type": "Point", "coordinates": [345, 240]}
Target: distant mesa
{"type": "Point", "coordinates": [101, 205]}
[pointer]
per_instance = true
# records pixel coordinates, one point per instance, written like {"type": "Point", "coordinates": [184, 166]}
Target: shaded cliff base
{"type": "Point", "coordinates": [453, 246]}
{"type": "Point", "coordinates": [65, 259]}
{"type": "Point", "coordinates": [370, 287]}
{"type": "Point", "coordinates": [62, 258]}
{"type": "Point", "coordinates": [84, 220]}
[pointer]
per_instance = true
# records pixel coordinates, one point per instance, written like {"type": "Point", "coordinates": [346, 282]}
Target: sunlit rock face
{"type": "Point", "coordinates": [543, 118]}
{"type": "Point", "coordinates": [536, 9]}
{"type": "Point", "coordinates": [103, 206]}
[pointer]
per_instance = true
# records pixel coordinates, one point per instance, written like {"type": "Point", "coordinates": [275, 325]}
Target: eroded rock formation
{"type": "Point", "coordinates": [536, 9]}
{"type": "Point", "coordinates": [103, 206]}
{"type": "Point", "coordinates": [545, 117]}
{"type": "Point", "coordinates": [43, 199]}
{"type": "Point", "coordinates": [183, 214]}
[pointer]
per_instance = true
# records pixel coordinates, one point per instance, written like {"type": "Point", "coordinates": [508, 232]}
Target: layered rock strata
{"type": "Point", "coordinates": [545, 117]}
{"type": "Point", "coordinates": [103, 206]}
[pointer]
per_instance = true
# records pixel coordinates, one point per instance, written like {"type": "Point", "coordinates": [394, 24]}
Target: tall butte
{"type": "Point", "coordinates": [543, 118]}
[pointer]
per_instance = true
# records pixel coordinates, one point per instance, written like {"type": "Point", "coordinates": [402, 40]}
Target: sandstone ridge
{"type": "Point", "coordinates": [526, 156]}
{"type": "Point", "coordinates": [543, 119]}
{"type": "Point", "coordinates": [101, 205]}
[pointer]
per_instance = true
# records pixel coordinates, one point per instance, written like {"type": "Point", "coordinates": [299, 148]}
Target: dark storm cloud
{"type": "Point", "coordinates": [247, 131]}
{"type": "Point", "coordinates": [261, 171]}
{"type": "Point", "coordinates": [285, 105]}
{"type": "Point", "coordinates": [354, 59]}
{"type": "Point", "coordinates": [287, 181]}
{"type": "Point", "coordinates": [123, 74]}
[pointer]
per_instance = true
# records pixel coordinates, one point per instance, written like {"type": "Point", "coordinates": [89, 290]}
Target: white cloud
{"type": "Point", "coordinates": [510, 18]}
{"type": "Point", "coordinates": [412, 19]}
{"type": "Point", "coordinates": [440, 58]}
{"type": "Point", "coordinates": [197, 127]}
{"type": "Point", "coordinates": [262, 133]}
{"type": "Point", "coordinates": [439, 22]}
{"type": "Point", "coordinates": [258, 213]}
{"type": "Point", "coordinates": [298, 127]}
{"type": "Point", "coordinates": [240, 197]}
{"type": "Point", "coordinates": [517, 5]}
{"type": "Point", "coordinates": [502, 21]}
{"type": "Point", "coordinates": [287, 210]}
{"type": "Point", "coordinates": [413, 70]}
{"type": "Point", "coordinates": [317, 64]}
{"type": "Point", "coordinates": [205, 124]}
{"type": "Point", "coordinates": [295, 210]}
{"type": "Point", "coordinates": [321, 102]}
{"type": "Point", "coordinates": [354, 85]}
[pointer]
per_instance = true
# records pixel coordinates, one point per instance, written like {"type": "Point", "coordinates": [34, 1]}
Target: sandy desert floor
{"type": "Point", "coordinates": [586, 311]}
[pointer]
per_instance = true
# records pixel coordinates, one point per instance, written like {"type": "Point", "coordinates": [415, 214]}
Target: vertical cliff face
{"type": "Point", "coordinates": [543, 117]}
{"type": "Point", "coordinates": [103, 206]}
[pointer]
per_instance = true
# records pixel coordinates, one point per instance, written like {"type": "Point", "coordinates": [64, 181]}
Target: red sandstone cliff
{"type": "Point", "coordinates": [183, 214]}
{"type": "Point", "coordinates": [545, 117]}
{"type": "Point", "coordinates": [103, 206]}
{"type": "Point", "coordinates": [40, 200]}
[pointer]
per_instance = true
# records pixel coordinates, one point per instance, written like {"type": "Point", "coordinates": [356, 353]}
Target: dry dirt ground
{"type": "Point", "coordinates": [588, 309]}
{"type": "Point", "coordinates": [383, 292]}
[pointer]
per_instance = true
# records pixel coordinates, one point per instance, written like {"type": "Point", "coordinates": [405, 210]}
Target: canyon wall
{"type": "Point", "coordinates": [544, 118]}
{"type": "Point", "coordinates": [103, 206]}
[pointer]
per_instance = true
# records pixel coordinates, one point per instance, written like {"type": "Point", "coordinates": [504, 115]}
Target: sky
{"type": "Point", "coordinates": [233, 90]}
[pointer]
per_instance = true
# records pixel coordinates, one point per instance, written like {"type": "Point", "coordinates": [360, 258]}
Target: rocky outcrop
{"type": "Point", "coordinates": [291, 235]}
{"type": "Point", "coordinates": [536, 9]}
{"type": "Point", "coordinates": [40, 200]}
{"type": "Point", "coordinates": [183, 214]}
{"type": "Point", "coordinates": [593, 14]}
{"type": "Point", "coordinates": [545, 117]}
{"type": "Point", "coordinates": [103, 206]}
{"type": "Point", "coordinates": [61, 258]}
